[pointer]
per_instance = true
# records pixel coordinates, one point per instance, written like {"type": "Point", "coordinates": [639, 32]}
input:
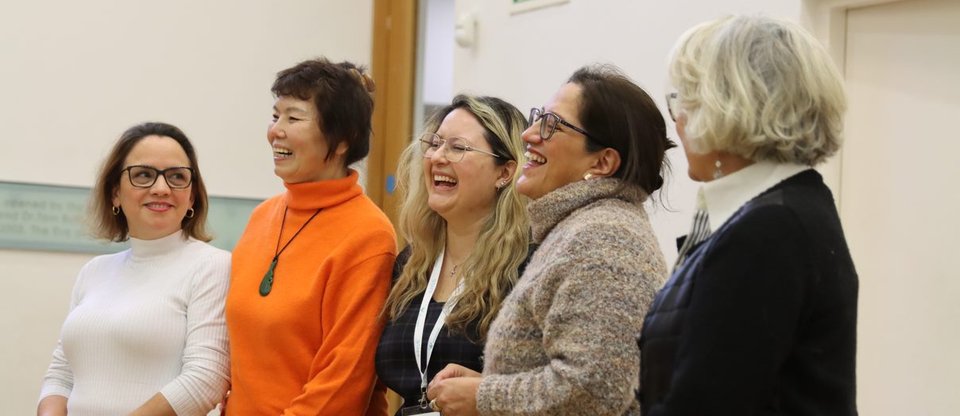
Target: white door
{"type": "Point", "coordinates": [900, 203]}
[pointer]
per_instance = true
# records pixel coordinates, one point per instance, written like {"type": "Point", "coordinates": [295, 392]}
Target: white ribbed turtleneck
{"type": "Point", "coordinates": [145, 320]}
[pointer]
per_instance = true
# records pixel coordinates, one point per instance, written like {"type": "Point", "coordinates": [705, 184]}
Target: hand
{"type": "Point", "coordinates": [52, 406]}
{"type": "Point", "coordinates": [453, 370]}
{"type": "Point", "coordinates": [455, 396]}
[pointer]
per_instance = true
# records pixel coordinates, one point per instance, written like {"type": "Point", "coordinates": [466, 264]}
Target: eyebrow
{"type": "Point", "coordinates": [456, 138]}
{"type": "Point", "coordinates": [291, 110]}
{"type": "Point", "coordinates": [554, 113]}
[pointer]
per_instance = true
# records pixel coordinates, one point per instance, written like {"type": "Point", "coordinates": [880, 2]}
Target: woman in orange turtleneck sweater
{"type": "Point", "coordinates": [312, 270]}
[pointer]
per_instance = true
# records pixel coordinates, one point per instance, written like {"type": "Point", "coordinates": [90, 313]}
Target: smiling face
{"type": "Point", "coordinates": [158, 211]}
{"type": "Point", "coordinates": [562, 159]}
{"type": "Point", "coordinates": [465, 190]}
{"type": "Point", "coordinates": [299, 146]}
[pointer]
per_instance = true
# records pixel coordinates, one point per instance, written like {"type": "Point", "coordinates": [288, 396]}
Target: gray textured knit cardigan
{"type": "Point", "coordinates": [564, 342]}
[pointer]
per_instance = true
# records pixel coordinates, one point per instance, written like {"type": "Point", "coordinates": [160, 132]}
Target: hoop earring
{"type": "Point", "coordinates": [717, 172]}
{"type": "Point", "coordinates": [115, 210]}
{"type": "Point", "coordinates": [190, 212]}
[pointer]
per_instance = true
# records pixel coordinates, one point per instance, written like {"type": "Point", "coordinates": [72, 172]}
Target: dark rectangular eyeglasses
{"type": "Point", "coordinates": [549, 121]}
{"type": "Point", "coordinates": [178, 177]}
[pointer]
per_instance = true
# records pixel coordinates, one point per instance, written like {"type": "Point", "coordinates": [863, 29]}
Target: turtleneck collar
{"type": "Point", "coordinates": [142, 250]}
{"type": "Point", "coordinates": [322, 194]}
{"type": "Point", "coordinates": [559, 203]}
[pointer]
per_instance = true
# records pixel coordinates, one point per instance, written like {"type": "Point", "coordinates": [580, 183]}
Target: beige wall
{"type": "Point", "coordinates": [74, 75]}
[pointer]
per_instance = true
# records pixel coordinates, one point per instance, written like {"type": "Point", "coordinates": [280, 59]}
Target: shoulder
{"type": "Point", "coordinates": [610, 223]}
{"type": "Point", "coordinates": [100, 266]}
{"type": "Point", "coordinates": [206, 261]}
{"type": "Point", "coordinates": [368, 213]}
{"type": "Point", "coordinates": [402, 258]}
{"type": "Point", "coordinates": [207, 252]}
{"type": "Point", "coordinates": [610, 211]}
{"type": "Point", "coordinates": [363, 223]}
{"type": "Point", "coordinates": [610, 238]}
{"type": "Point", "coordinates": [789, 209]}
{"type": "Point", "coordinates": [103, 262]}
{"type": "Point", "coordinates": [266, 208]}
{"type": "Point", "coordinates": [106, 260]}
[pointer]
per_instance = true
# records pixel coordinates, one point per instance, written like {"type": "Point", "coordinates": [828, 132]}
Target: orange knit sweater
{"type": "Point", "coordinates": [307, 348]}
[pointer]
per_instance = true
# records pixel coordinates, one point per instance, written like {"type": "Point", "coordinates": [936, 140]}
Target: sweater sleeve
{"type": "Point", "coordinates": [603, 288]}
{"type": "Point", "coordinates": [59, 378]}
{"type": "Point", "coordinates": [342, 373]}
{"type": "Point", "coordinates": [742, 318]}
{"type": "Point", "coordinates": [203, 380]}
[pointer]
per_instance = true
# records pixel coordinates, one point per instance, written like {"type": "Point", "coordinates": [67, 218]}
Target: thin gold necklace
{"type": "Point", "coordinates": [267, 283]}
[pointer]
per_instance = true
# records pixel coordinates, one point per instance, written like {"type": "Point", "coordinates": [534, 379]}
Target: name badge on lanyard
{"type": "Point", "coordinates": [423, 408]}
{"type": "Point", "coordinates": [417, 410]}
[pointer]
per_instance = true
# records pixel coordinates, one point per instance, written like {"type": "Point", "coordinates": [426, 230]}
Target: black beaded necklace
{"type": "Point", "coordinates": [267, 283]}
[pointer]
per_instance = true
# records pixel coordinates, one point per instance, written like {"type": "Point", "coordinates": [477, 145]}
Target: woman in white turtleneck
{"type": "Point", "coordinates": [145, 334]}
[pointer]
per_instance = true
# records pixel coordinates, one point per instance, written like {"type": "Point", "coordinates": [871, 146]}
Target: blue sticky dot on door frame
{"type": "Point", "coordinates": [391, 183]}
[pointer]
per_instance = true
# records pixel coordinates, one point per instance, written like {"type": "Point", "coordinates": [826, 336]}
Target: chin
{"type": "Point", "coordinates": [436, 207]}
{"type": "Point", "coordinates": [527, 191]}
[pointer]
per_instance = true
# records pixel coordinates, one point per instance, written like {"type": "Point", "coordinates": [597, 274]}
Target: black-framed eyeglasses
{"type": "Point", "coordinates": [549, 121]}
{"type": "Point", "coordinates": [141, 176]}
{"type": "Point", "coordinates": [672, 105]}
{"type": "Point", "coordinates": [455, 147]}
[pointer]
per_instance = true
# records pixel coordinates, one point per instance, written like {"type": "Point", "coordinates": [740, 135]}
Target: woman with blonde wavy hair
{"type": "Point", "coordinates": [468, 238]}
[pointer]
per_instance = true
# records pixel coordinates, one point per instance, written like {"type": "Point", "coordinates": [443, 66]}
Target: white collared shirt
{"type": "Point", "coordinates": [724, 196]}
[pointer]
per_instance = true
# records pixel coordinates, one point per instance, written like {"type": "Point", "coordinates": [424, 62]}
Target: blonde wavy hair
{"type": "Point", "coordinates": [759, 87]}
{"type": "Point", "coordinates": [490, 271]}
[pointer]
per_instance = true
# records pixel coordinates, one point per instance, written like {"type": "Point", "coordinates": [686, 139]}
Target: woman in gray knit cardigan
{"type": "Point", "coordinates": [564, 341]}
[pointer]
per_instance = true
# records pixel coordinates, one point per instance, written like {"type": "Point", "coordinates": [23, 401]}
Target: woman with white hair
{"type": "Point", "coordinates": [759, 316]}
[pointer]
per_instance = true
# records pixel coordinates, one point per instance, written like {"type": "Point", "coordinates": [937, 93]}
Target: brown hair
{"type": "Point", "coordinates": [114, 227]}
{"type": "Point", "coordinates": [623, 117]}
{"type": "Point", "coordinates": [343, 96]}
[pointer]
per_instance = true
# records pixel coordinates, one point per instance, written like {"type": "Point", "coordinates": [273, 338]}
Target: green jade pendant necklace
{"type": "Point", "coordinates": [267, 283]}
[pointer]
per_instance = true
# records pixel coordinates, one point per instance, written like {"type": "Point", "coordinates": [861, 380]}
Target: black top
{"type": "Point", "coordinates": [396, 366]}
{"type": "Point", "coordinates": [761, 319]}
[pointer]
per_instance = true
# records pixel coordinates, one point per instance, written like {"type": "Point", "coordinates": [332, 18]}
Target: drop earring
{"type": "Point", "coordinates": [717, 172]}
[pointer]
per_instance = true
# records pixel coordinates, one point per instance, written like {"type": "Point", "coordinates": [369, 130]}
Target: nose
{"type": "Point", "coordinates": [439, 155]}
{"type": "Point", "coordinates": [532, 134]}
{"type": "Point", "coordinates": [159, 189]}
{"type": "Point", "coordinates": [275, 131]}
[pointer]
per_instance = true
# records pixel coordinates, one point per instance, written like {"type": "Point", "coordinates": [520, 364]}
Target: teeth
{"type": "Point", "coordinates": [442, 178]}
{"type": "Point", "coordinates": [535, 157]}
{"type": "Point", "coordinates": [282, 151]}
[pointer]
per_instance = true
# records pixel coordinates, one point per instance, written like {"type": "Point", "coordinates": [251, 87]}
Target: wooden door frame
{"type": "Point", "coordinates": [393, 66]}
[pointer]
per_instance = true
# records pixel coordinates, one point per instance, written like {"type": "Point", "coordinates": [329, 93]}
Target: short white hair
{"type": "Point", "coordinates": [759, 87]}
